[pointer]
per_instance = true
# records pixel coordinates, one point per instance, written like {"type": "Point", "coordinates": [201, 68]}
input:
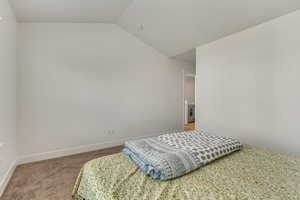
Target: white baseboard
{"type": "Point", "coordinates": [74, 150]}
{"type": "Point", "coordinates": [61, 153]}
{"type": "Point", "coordinates": [7, 177]}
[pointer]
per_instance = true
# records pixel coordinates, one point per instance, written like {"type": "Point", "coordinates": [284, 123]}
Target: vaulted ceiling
{"type": "Point", "coordinates": [174, 27]}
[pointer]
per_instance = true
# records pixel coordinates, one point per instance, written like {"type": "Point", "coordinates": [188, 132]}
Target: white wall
{"type": "Point", "coordinates": [248, 85]}
{"type": "Point", "coordinates": [7, 92]}
{"type": "Point", "coordinates": [78, 81]}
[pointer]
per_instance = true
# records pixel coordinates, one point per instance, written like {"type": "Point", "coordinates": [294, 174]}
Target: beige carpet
{"type": "Point", "coordinates": [51, 179]}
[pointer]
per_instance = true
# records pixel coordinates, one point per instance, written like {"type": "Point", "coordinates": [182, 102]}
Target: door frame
{"type": "Point", "coordinates": [183, 95]}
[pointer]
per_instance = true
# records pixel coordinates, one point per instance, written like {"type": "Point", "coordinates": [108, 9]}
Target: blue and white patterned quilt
{"type": "Point", "coordinates": [172, 155]}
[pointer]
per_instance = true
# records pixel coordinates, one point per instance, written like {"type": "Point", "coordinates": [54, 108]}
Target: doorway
{"type": "Point", "coordinates": [189, 102]}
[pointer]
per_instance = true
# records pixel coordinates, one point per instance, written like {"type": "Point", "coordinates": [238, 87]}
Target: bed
{"type": "Point", "coordinates": [251, 173]}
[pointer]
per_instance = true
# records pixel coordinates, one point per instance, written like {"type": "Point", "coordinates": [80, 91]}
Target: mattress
{"type": "Point", "coordinates": [252, 173]}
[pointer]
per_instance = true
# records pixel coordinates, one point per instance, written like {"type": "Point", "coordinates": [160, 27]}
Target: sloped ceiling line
{"type": "Point", "coordinates": [173, 27]}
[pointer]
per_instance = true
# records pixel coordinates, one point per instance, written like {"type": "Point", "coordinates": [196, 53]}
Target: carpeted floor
{"type": "Point", "coordinates": [51, 179]}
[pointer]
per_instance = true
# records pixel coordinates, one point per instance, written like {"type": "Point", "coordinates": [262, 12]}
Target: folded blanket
{"type": "Point", "coordinates": [172, 155]}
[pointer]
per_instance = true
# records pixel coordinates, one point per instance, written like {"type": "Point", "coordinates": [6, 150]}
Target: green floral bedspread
{"type": "Point", "coordinates": [251, 173]}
